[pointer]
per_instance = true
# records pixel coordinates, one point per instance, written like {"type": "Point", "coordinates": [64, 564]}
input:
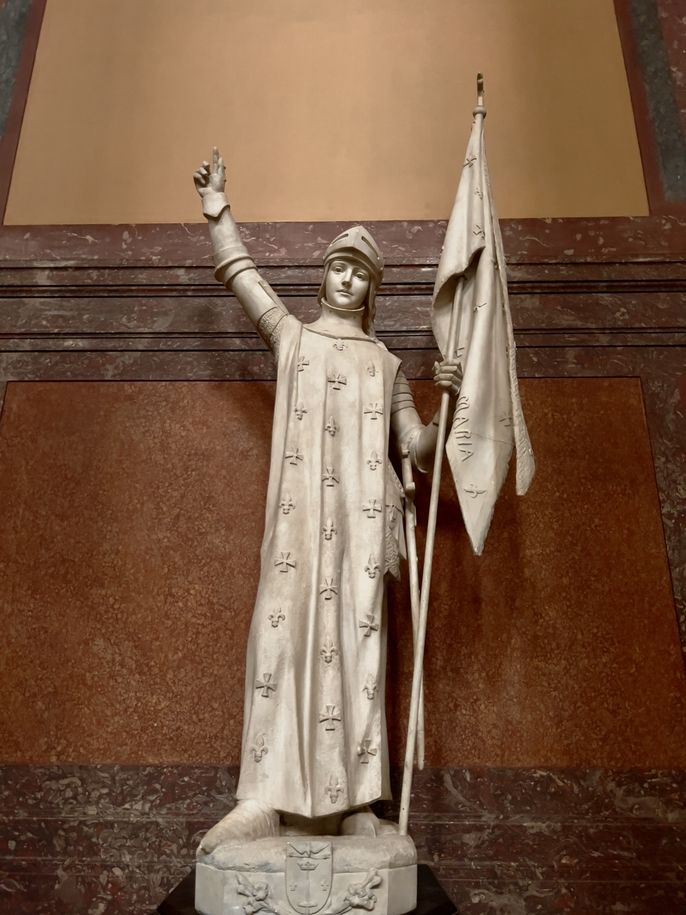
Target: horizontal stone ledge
{"type": "Point", "coordinates": [536, 240]}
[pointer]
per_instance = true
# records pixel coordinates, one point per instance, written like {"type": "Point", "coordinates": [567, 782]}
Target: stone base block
{"type": "Point", "coordinates": [317, 875]}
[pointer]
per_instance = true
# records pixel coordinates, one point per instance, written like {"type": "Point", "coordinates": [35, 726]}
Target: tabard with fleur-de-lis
{"type": "Point", "coordinates": [325, 562]}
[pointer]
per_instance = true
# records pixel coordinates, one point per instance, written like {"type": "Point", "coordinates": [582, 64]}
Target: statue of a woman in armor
{"type": "Point", "coordinates": [314, 731]}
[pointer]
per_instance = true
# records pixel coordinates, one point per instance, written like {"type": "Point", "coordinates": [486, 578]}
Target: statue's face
{"type": "Point", "coordinates": [347, 284]}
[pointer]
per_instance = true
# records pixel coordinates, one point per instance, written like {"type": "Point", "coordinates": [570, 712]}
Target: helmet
{"type": "Point", "coordinates": [357, 243]}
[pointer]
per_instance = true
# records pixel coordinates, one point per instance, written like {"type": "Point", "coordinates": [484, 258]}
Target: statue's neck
{"type": "Point", "coordinates": [343, 321]}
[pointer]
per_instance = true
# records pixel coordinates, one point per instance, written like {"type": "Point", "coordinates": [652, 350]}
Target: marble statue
{"type": "Point", "coordinates": [314, 749]}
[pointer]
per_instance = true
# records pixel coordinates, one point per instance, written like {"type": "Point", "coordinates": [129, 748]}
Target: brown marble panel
{"type": "Point", "coordinates": [130, 556]}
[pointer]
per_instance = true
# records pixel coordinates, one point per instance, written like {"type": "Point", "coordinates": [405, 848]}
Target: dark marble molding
{"type": "Point", "coordinates": [651, 33]}
{"type": "Point", "coordinates": [72, 294]}
{"type": "Point", "coordinates": [20, 25]}
{"type": "Point", "coordinates": [606, 240]}
{"type": "Point", "coordinates": [117, 839]}
{"type": "Point", "coordinates": [13, 18]}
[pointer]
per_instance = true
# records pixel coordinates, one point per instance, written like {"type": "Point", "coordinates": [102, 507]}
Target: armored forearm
{"type": "Point", "coordinates": [230, 254]}
{"type": "Point", "coordinates": [408, 428]}
{"type": "Point", "coordinates": [235, 268]}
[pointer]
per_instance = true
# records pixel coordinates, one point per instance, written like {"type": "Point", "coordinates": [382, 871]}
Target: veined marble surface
{"type": "Point", "coordinates": [104, 840]}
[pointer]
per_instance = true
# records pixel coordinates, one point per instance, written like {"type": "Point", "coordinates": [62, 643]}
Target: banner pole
{"type": "Point", "coordinates": [417, 673]}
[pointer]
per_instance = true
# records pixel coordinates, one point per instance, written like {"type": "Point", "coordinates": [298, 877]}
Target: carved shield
{"type": "Point", "coordinates": [309, 874]}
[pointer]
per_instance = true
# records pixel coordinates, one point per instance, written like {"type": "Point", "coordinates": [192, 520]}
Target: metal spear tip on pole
{"type": "Point", "coordinates": [480, 107]}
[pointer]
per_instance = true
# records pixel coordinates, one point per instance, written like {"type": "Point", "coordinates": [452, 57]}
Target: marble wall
{"type": "Point", "coordinates": [115, 343]}
{"type": "Point", "coordinates": [132, 521]}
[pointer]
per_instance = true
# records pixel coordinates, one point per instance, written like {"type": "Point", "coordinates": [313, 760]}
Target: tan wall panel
{"type": "Point", "coordinates": [324, 111]}
{"type": "Point", "coordinates": [130, 525]}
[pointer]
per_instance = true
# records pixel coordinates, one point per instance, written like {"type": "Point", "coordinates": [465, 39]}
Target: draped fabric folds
{"type": "Point", "coordinates": [471, 279]}
{"type": "Point", "coordinates": [314, 739]}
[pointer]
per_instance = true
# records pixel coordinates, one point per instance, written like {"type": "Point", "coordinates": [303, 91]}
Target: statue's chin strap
{"type": "Point", "coordinates": [338, 308]}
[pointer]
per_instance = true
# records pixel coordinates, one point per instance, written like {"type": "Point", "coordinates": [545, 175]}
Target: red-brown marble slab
{"type": "Point", "coordinates": [130, 554]}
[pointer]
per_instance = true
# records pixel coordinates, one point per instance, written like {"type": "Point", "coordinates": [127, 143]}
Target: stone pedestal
{"type": "Point", "coordinates": [431, 897]}
{"type": "Point", "coordinates": [294, 875]}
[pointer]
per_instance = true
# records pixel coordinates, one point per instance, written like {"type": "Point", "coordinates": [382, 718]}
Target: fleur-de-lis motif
{"type": "Point", "coordinates": [287, 504]}
{"type": "Point", "coordinates": [472, 491]}
{"type": "Point", "coordinates": [374, 460]}
{"type": "Point", "coordinates": [293, 455]}
{"type": "Point", "coordinates": [276, 617]}
{"type": "Point", "coordinates": [478, 231]}
{"type": "Point", "coordinates": [328, 588]}
{"type": "Point", "coordinates": [259, 748]}
{"type": "Point", "coordinates": [327, 651]}
{"type": "Point", "coordinates": [373, 410]}
{"type": "Point", "coordinates": [371, 508]}
{"type": "Point", "coordinates": [371, 369]}
{"type": "Point", "coordinates": [329, 718]}
{"type": "Point", "coordinates": [334, 789]}
{"type": "Point", "coordinates": [329, 477]}
{"type": "Point", "coordinates": [266, 684]}
{"type": "Point", "coordinates": [372, 567]}
{"type": "Point", "coordinates": [370, 687]}
{"type": "Point", "coordinates": [302, 362]}
{"type": "Point", "coordinates": [365, 750]}
{"type": "Point", "coordinates": [329, 530]}
{"type": "Point", "coordinates": [336, 380]}
{"type": "Point", "coordinates": [300, 410]}
{"type": "Point", "coordinates": [369, 625]}
{"type": "Point", "coordinates": [284, 562]}
{"type": "Point", "coordinates": [469, 161]}
{"type": "Point", "coordinates": [331, 426]}
{"type": "Point", "coordinates": [340, 345]}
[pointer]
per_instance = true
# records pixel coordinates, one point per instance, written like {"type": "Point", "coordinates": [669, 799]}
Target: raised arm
{"type": "Point", "coordinates": [406, 425]}
{"type": "Point", "coordinates": [233, 265]}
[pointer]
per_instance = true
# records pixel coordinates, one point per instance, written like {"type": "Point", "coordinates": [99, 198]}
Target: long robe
{"type": "Point", "coordinates": [314, 735]}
